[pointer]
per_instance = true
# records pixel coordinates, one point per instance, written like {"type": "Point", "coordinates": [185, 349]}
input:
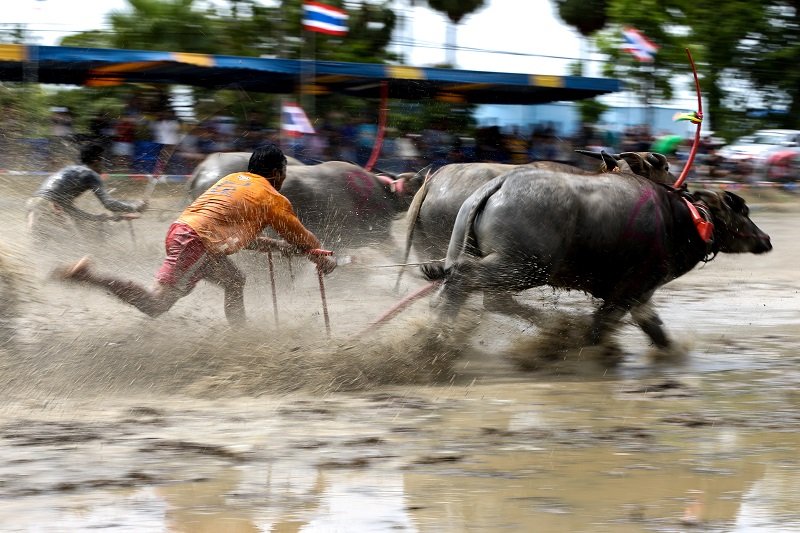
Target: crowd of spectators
{"type": "Point", "coordinates": [140, 143]}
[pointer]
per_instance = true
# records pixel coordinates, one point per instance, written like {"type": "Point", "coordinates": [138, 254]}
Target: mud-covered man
{"type": "Point", "coordinates": [56, 196]}
{"type": "Point", "coordinates": [228, 217]}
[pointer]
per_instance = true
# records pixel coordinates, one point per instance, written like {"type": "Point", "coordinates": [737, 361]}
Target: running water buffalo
{"type": "Point", "coordinates": [617, 236]}
{"type": "Point", "coordinates": [220, 164]}
{"type": "Point", "coordinates": [343, 203]}
{"type": "Point", "coordinates": [433, 211]}
{"type": "Point", "coordinates": [340, 202]}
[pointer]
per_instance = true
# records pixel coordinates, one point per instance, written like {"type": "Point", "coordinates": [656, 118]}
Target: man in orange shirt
{"type": "Point", "coordinates": [227, 218]}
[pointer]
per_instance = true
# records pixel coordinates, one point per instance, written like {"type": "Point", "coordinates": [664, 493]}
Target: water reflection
{"type": "Point", "coordinates": [770, 504]}
{"type": "Point", "coordinates": [571, 456]}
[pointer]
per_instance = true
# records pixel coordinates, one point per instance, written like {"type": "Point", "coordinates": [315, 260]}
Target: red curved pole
{"type": "Point", "coordinates": [382, 113]}
{"type": "Point", "coordinates": [401, 305]}
{"type": "Point", "coordinates": [699, 115]}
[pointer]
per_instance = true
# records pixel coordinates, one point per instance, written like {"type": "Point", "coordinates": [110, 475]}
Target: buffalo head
{"type": "Point", "coordinates": [734, 232]}
{"type": "Point", "coordinates": [407, 184]}
{"type": "Point", "coordinates": [401, 187]}
{"type": "Point", "coordinates": [649, 165]}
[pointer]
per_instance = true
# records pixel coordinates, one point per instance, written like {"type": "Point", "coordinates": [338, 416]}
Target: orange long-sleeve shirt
{"type": "Point", "coordinates": [232, 213]}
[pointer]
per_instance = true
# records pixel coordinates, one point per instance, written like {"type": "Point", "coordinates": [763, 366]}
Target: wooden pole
{"type": "Point", "coordinates": [272, 285]}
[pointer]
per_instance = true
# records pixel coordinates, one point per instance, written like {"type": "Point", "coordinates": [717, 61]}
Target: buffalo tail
{"type": "Point", "coordinates": [434, 271]}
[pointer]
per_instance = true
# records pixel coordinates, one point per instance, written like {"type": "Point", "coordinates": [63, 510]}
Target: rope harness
{"type": "Point", "coordinates": [703, 222]}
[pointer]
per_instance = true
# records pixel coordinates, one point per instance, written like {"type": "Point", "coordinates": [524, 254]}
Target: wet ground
{"type": "Point", "coordinates": [110, 420]}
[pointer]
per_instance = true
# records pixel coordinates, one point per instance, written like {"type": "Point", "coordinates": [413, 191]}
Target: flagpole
{"type": "Point", "coordinates": [307, 75]}
{"type": "Point", "coordinates": [281, 135]}
{"type": "Point", "coordinates": [307, 71]}
{"type": "Point", "coordinates": [317, 17]}
{"type": "Point", "coordinates": [646, 66]}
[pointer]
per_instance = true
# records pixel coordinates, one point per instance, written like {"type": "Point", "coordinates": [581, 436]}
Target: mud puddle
{"type": "Point", "coordinates": [714, 452]}
{"type": "Point", "coordinates": [111, 421]}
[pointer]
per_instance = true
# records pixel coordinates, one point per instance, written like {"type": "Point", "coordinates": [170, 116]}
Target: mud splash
{"type": "Point", "coordinates": [111, 420]}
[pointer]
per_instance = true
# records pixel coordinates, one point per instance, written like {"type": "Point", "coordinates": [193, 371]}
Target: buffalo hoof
{"type": "Point", "coordinates": [609, 354]}
{"type": "Point", "coordinates": [675, 352]}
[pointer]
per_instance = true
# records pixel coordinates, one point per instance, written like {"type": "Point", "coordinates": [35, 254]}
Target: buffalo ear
{"type": "Point", "coordinates": [712, 199]}
{"type": "Point", "coordinates": [636, 162]}
{"type": "Point", "coordinates": [734, 201]}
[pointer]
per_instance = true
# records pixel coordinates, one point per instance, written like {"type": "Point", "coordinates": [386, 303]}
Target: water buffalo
{"type": "Point", "coordinates": [216, 165]}
{"type": "Point", "coordinates": [617, 237]}
{"type": "Point", "coordinates": [434, 208]}
{"type": "Point", "coordinates": [343, 203]}
{"type": "Point", "coordinates": [340, 202]}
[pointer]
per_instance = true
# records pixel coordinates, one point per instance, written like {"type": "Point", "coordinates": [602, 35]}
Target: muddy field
{"type": "Point", "coordinates": [111, 420]}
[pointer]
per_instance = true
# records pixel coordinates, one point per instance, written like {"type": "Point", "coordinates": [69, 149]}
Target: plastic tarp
{"type": "Point", "coordinates": [104, 67]}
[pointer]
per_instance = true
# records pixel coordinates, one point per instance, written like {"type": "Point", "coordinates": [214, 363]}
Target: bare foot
{"type": "Point", "coordinates": [77, 271]}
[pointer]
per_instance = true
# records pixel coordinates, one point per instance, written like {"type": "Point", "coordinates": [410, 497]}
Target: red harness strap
{"type": "Point", "coordinates": [704, 228]}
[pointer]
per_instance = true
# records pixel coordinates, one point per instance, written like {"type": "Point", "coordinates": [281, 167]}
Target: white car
{"type": "Point", "coordinates": [757, 148]}
{"type": "Point", "coordinates": [759, 145]}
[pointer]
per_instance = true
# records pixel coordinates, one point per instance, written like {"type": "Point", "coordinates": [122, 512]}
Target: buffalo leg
{"type": "Point", "coordinates": [451, 297]}
{"type": "Point", "coordinates": [646, 317]}
{"type": "Point", "coordinates": [454, 291]}
{"type": "Point", "coordinates": [604, 321]}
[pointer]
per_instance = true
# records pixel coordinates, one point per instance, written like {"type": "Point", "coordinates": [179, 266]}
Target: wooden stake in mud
{"type": "Point", "coordinates": [321, 278]}
{"type": "Point", "coordinates": [133, 233]}
{"type": "Point", "coordinates": [148, 192]}
{"type": "Point", "coordinates": [272, 285]}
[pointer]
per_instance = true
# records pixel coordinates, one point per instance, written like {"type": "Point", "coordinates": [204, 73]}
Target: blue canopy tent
{"type": "Point", "coordinates": [98, 67]}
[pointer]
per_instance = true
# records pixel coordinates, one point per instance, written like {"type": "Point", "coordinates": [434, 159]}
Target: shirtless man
{"type": "Point", "coordinates": [227, 218]}
{"type": "Point", "coordinates": [57, 194]}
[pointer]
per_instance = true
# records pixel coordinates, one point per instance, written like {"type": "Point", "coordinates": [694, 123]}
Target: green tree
{"type": "Point", "coordinates": [455, 10]}
{"type": "Point", "coordinates": [370, 29]}
{"type": "Point", "coordinates": [586, 16]}
{"type": "Point", "coordinates": [652, 81]}
{"type": "Point", "coordinates": [243, 28]}
{"type": "Point", "coordinates": [771, 59]}
{"type": "Point", "coordinates": [720, 31]}
{"type": "Point", "coordinates": [174, 25]}
{"type": "Point", "coordinates": [720, 35]}
{"type": "Point", "coordinates": [89, 39]}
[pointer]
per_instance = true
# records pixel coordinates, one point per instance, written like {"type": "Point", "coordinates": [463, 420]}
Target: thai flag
{"type": "Point", "coordinates": [323, 18]}
{"type": "Point", "coordinates": [294, 119]}
{"type": "Point", "coordinates": [637, 44]}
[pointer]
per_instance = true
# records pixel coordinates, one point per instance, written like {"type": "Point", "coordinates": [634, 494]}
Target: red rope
{"type": "Point", "coordinates": [383, 111]}
{"type": "Point", "coordinates": [401, 305]}
{"type": "Point", "coordinates": [696, 144]}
